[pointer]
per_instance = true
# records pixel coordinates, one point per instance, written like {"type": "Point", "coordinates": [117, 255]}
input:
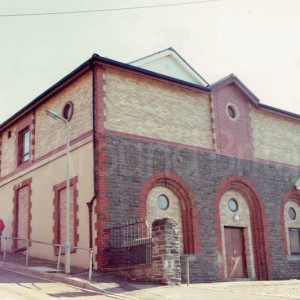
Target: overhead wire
{"type": "Point", "coordinates": [104, 10]}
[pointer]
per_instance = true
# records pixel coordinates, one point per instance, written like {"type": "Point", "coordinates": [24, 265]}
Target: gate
{"type": "Point", "coordinates": [130, 243]}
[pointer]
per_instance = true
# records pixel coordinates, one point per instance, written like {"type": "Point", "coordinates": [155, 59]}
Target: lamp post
{"type": "Point", "coordinates": [56, 116]}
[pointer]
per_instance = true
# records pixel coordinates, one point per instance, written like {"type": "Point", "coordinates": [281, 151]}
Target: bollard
{"type": "Point", "coordinates": [4, 253]}
{"type": "Point", "coordinates": [91, 265]}
{"type": "Point", "coordinates": [27, 252]}
{"type": "Point", "coordinates": [187, 260]}
{"type": "Point", "coordinates": [58, 260]}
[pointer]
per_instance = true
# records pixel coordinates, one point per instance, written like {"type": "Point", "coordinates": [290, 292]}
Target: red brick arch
{"type": "Point", "coordinates": [190, 215]}
{"type": "Point", "coordinates": [258, 223]}
{"type": "Point", "coordinates": [291, 195]}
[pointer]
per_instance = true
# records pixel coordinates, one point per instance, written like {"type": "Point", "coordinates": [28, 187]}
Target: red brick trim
{"type": "Point", "coordinates": [56, 229]}
{"type": "Point", "coordinates": [17, 187]}
{"type": "Point", "coordinates": [190, 215]}
{"type": "Point", "coordinates": [212, 122]}
{"type": "Point", "coordinates": [32, 146]}
{"type": "Point", "coordinates": [196, 148]}
{"type": "Point", "coordinates": [291, 195]}
{"type": "Point", "coordinates": [159, 141]}
{"type": "Point", "coordinates": [258, 223]}
{"type": "Point", "coordinates": [101, 171]}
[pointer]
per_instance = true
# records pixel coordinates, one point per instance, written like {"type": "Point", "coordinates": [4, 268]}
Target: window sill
{"type": "Point", "coordinates": [293, 257]}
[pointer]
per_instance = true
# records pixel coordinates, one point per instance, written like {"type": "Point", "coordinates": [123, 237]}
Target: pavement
{"type": "Point", "coordinates": [117, 288]}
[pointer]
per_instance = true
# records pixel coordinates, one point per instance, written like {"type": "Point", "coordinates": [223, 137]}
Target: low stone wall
{"type": "Point", "coordinates": [143, 273]}
{"type": "Point", "coordinates": [166, 252]}
{"type": "Point", "coordinates": [165, 267]}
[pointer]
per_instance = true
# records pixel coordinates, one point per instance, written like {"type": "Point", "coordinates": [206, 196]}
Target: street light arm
{"type": "Point", "coordinates": [54, 115]}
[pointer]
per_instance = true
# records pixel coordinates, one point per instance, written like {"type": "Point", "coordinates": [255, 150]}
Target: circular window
{"type": "Point", "coordinates": [68, 111]}
{"type": "Point", "coordinates": [233, 205]}
{"type": "Point", "coordinates": [163, 202]}
{"type": "Point", "coordinates": [292, 213]}
{"type": "Point", "coordinates": [232, 111]}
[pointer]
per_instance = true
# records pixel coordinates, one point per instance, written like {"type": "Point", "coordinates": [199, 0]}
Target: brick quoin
{"type": "Point", "coordinates": [101, 169]}
{"type": "Point", "coordinates": [292, 195]}
{"type": "Point", "coordinates": [258, 223]}
{"type": "Point", "coordinates": [190, 215]}
{"type": "Point", "coordinates": [17, 187]}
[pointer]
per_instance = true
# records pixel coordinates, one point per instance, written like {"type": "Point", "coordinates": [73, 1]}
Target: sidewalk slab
{"type": "Point", "coordinates": [117, 288]}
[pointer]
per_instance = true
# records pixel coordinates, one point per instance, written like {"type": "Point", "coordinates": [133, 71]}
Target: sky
{"type": "Point", "coordinates": [257, 40]}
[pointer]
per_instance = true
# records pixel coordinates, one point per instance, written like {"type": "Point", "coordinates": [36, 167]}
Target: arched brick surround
{"type": "Point", "coordinates": [258, 223]}
{"type": "Point", "coordinates": [292, 195]}
{"type": "Point", "coordinates": [190, 215]}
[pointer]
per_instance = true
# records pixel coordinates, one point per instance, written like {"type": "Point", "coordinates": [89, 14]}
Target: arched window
{"type": "Point", "coordinates": [292, 226]}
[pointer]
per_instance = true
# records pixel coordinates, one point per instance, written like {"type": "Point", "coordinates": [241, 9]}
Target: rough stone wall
{"type": "Point", "coordinates": [166, 252]}
{"type": "Point", "coordinates": [130, 163]}
{"type": "Point", "coordinates": [165, 267]}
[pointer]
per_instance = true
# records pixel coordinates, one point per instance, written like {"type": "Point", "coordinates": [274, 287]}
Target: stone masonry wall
{"type": "Point", "coordinates": [166, 252]}
{"type": "Point", "coordinates": [131, 162]}
{"type": "Point", "coordinates": [165, 267]}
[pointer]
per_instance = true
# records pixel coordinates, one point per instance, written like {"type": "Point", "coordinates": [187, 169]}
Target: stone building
{"type": "Point", "coordinates": [153, 140]}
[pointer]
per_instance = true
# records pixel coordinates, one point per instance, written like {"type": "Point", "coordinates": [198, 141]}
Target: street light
{"type": "Point", "coordinates": [56, 116]}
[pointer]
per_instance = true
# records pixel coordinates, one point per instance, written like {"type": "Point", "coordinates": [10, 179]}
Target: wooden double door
{"type": "Point", "coordinates": [235, 252]}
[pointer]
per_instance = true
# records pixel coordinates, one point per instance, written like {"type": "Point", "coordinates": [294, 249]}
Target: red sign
{"type": "Point", "coordinates": [2, 226]}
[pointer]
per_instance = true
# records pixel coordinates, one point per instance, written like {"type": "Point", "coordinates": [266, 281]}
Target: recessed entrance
{"type": "Point", "coordinates": [235, 252]}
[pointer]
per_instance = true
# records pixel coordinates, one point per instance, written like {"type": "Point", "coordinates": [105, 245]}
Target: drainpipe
{"type": "Point", "coordinates": [90, 208]}
{"type": "Point", "coordinates": [90, 204]}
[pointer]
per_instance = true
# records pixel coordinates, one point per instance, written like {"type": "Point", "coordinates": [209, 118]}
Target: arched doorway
{"type": "Point", "coordinates": [248, 224]}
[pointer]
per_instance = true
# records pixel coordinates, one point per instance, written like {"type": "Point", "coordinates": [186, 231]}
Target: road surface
{"type": "Point", "coordinates": [17, 286]}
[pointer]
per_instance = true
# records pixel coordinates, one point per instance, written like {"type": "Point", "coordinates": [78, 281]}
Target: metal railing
{"type": "Point", "coordinates": [60, 247]}
{"type": "Point", "coordinates": [129, 233]}
{"type": "Point", "coordinates": [130, 243]}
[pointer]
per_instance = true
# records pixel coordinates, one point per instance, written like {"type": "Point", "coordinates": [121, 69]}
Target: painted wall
{"type": "Point", "coordinates": [170, 67]}
{"type": "Point", "coordinates": [44, 177]}
{"type": "Point", "coordinates": [47, 167]}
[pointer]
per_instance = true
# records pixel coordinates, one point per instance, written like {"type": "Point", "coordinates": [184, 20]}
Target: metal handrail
{"type": "Point", "coordinates": [29, 241]}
